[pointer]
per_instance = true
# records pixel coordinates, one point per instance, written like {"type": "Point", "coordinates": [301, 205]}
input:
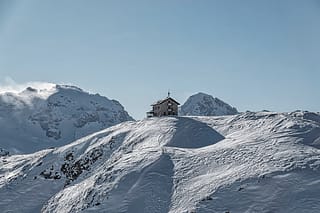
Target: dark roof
{"type": "Point", "coordinates": [161, 101]}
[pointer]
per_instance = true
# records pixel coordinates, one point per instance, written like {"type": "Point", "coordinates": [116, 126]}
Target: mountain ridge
{"type": "Point", "coordinates": [54, 116]}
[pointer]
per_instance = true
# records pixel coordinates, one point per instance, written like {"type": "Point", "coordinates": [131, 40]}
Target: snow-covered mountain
{"type": "Point", "coordinates": [202, 104]}
{"type": "Point", "coordinates": [250, 162]}
{"type": "Point", "coordinates": [35, 119]}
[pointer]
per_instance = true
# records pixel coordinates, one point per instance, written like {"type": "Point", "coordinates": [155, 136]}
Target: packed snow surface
{"type": "Point", "coordinates": [202, 104]}
{"type": "Point", "coordinates": [35, 118]}
{"type": "Point", "coordinates": [250, 162]}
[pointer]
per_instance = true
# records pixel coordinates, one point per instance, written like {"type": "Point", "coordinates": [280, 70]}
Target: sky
{"type": "Point", "coordinates": [254, 55]}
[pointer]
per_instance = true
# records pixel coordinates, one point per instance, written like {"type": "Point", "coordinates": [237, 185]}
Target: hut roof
{"type": "Point", "coordinates": [163, 100]}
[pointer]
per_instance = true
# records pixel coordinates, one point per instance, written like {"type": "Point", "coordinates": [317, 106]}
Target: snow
{"type": "Point", "coordinates": [202, 104]}
{"type": "Point", "coordinates": [249, 162]}
{"type": "Point", "coordinates": [53, 115]}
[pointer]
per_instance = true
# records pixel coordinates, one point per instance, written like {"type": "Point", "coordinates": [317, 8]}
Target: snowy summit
{"type": "Point", "coordinates": [38, 118]}
{"type": "Point", "coordinates": [202, 104]}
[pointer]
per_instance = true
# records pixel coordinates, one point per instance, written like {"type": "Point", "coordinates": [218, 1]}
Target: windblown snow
{"type": "Point", "coordinates": [249, 162]}
{"type": "Point", "coordinates": [39, 118]}
{"type": "Point", "coordinates": [202, 104]}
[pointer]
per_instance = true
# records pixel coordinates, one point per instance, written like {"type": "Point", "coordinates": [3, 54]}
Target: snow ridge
{"type": "Point", "coordinates": [249, 162]}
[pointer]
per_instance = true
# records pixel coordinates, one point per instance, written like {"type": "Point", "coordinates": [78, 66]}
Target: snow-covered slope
{"type": "Point", "coordinates": [250, 162]}
{"type": "Point", "coordinates": [35, 119]}
{"type": "Point", "coordinates": [202, 104]}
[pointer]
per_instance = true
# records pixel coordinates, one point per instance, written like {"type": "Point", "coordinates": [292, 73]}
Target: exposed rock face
{"type": "Point", "coordinates": [3, 152]}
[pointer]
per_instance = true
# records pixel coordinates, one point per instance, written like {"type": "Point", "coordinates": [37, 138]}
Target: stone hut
{"type": "Point", "coordinates": [165, 107]}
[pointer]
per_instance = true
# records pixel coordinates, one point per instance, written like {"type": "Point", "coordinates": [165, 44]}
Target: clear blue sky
{"type": "Point", "coordinates": [252, 54]}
